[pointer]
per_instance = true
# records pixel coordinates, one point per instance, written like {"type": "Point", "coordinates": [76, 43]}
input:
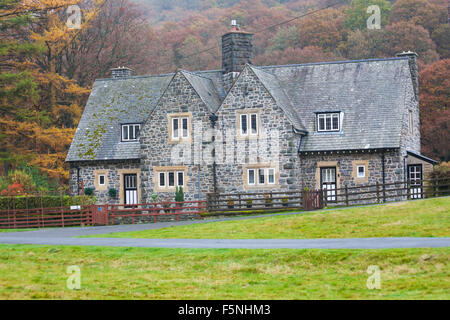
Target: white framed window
{"type": "Point", "coordinates": [167, 178]}
{"type": "Point", "coordinates": [180, 178]}
{"type": "Point", "coordinates": [179, 127]}
{"type": "Point", "coordinates": [248, 124]}
{"type": "Point", "coordinates": [260, 177]}
{"type": "Point", "coordinates": [244, 124]}
{"type": "Point", "coordinates": [271, 176]}
{"type": "Point", "coordinates": [130, 132]}
{"type": "Point", "coordinates": [175, 128]}
{"type": "Point", "coordinates": [171, 178]}
{"type": "Point", "coordinates": [101, 180]}
{"type": "Point", "coordinates": [162, 179]}
{"type": "Point", "coordinates": [328, 122]}
{"type": "Point", "coordinates": [361, 171]}
{"type": "Point", "coordinates": [251, 177]}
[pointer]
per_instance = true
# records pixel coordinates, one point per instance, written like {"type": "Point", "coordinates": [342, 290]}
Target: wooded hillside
{"type": "Point", "coordinates": [47, 69]}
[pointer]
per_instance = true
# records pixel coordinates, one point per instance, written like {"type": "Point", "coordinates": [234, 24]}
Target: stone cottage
{"type": "Point", "coordinates": [248, 128]}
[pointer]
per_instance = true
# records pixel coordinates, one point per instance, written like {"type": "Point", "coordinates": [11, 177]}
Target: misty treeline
{"type": "Point", "coordinates": [47, 69]}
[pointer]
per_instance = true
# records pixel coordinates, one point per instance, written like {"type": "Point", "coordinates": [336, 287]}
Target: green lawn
{"type": "Point", "coordinates": [16, 230]}
{"type": "Point", "coordinates": [424, 218]}
{"type": "Point", "coordinates": [39, 272]}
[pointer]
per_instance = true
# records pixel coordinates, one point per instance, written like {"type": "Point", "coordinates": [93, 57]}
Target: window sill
{"type": "Point", "coordinates": [319, 133]}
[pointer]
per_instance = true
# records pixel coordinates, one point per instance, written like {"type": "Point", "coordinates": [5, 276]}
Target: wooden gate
{"type": "Point", "coordinates": [100, 215]}
{"type": "Point", "coordinates": [312, 199]}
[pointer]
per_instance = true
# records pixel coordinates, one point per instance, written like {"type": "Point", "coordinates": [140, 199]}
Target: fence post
{"type": "Point", "coordinates": [62, 210]}
{"type": "Point", "coordinates": [42, 213]}
{"type": "Point", "coordinates": [346, 196]}
{"type": "Point", "coordinates": [14, 211]}
{"type": "Point", "coordinates": [409, 189]}
{"type": "Point", "coordinates": [378, 192]}
{"type": "Point", "coordinates": [239, 199]}
{"type": "Point", "coordinates": [434, 188]}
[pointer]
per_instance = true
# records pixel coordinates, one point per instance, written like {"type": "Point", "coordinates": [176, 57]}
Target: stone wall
{"type": "Point", "coordinates": [158, 151]}
{"type": "Point", "coordinates": [346, 165]}
{"type": "Point", "coordinates": [113, 171]}
{"type": "Point", "coordinates": [232, 158]}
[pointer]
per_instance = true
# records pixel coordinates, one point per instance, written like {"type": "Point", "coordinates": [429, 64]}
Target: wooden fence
{"type": "Point", "coordinates": [46, 217]}
{"type": "Point", "coordinates": [254, 201]}
{"type": "Point", "coordinates": [235, 203]}
{"type": "Point", "coordinates": [149, 212]}
{"type": "Point", "coordinates": [12, 218]}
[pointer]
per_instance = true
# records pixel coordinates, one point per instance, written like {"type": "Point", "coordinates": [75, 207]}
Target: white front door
{"type": "Point", "coordinates": [328, 182]}
{"type": "Point", "coordinates": [415, 180]}
{"type": "Point", "coordinates": [130, 182]}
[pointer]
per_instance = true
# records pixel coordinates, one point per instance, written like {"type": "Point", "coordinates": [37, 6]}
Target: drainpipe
{"type": "Point", "coordinates": [78, 180]}
{"type": "Point", "coordinates": [384, 175]}
{"type": "Point", "coordinates": [199, 182]}
{"type": "Point", "coordinates": [213, 118]}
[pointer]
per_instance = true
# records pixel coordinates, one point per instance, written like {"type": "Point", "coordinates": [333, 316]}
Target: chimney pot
{"type": "Point", "coordinates": [121, 72]}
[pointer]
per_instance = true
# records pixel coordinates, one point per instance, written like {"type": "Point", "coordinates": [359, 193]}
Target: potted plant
{"type": "Point", "coordinates": [249, 203]}
{"type": "Point", "coordinates": [230, 203]}
{"type": "Point", "coordinates": [89, 191]}
{"type": "Point", "coordinates": [285, 202]}
{"type": "Point", "coordinates": [112, 193]}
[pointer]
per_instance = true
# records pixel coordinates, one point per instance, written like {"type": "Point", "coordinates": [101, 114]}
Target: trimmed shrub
{"type": "Point", "coordinates": [22, 202]}
{"type": "Point", "coordinates": [112, 193]}
{"type": "Point", "coordinates": [89, 191]}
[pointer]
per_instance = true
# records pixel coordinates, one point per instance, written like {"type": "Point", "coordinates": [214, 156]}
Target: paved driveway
{"type": "Point", "coordinates": [66, 236]}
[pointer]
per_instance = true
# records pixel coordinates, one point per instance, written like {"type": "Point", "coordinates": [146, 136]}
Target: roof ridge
{"type": "Point", "coordinates": [137, 77]}
{"type": "Point", "coordinates": [331, 62]}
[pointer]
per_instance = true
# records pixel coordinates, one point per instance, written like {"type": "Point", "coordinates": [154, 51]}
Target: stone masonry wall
{"type": "Point", "coordinates": [156, 151]}
{"type": "Point", "coordinates": [114, 173]}
{"type": "Point", "coordinates": [249, 94]}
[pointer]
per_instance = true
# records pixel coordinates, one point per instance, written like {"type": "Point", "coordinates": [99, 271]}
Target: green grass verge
{"type": "Point", "coordinates": [15, 230]}
{"type": "Point", "coordinates": [39, 272]}
{"type": "Point", "coordinates": [424, 218]}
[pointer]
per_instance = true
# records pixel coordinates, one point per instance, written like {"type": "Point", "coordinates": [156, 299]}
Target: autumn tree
{"type": "Point", "coordinates": [357, 15]}
{"type": "Point", "coordinates": [435, 109]}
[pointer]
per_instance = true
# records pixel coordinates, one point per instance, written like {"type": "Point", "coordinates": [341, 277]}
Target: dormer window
{"type": "Point", "coordinates": [327, 122]}
{"type": "Point", "coordinates": [130, 132]}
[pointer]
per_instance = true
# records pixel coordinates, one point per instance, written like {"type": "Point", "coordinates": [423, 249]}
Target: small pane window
{"type": "Point", "coordinates": [180, 179]}
{"type": "Point", "coordinates": [130, 132]}
{"type": "Point", "coordinates": [244, 124]}
{"type": "Point", "coordinates": [175, 128]}
{"type": "Point", "coordinates": [361, 171]}
{"type": "Point", "coordinates": [261, 177]}
{"type": "Point", "coordinates": [171, 179]}
{"type": "Point", "coordinates": [162, 179]}
{"type": "Point", "coordinates": [101, 180]}
{"type": "Point", "coordinates": [185, 127]}
{"type": "Point", "coordinates": [328, 122]}
{"type": "Point", "coordinates": [254, 123]}
{"type": "Point", "coordinates": [271, 176]}
{"type": "Point", "coordinates": [251, 176]}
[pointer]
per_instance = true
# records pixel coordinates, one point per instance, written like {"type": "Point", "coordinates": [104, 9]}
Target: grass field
{"type": "Point", "coordinates": [424, 218]}
{"type": "Point", "coordinates": [39, 272]}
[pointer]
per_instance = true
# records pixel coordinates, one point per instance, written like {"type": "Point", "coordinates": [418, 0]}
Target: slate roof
{"type": "Point", "coordinates": [114, 102]}
{"type": "Point", "coordinates": [370, 93]}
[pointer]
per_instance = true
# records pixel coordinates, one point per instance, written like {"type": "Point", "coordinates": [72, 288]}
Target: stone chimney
{"type": "Point", "coordinates": [237, 50]}
{"type": "Point", "coordinates": [121, 72]}
{"type": "Point", "coordinates": [414, 68]}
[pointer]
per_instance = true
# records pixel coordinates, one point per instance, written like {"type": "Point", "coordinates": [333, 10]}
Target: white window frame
{"type": "Point", "coordinates": [135, 133]}
{"type": "Point", "coordinates": [268, 175]}
{"type": "Point", "coordinates": [177, 136]}
{"type": "Point", "coordinates": [358, 173]}
{"type": "Point", "coordinates": [242, 122]}
{"type": "Point", "coordinates": [248, 177]}
{"type": "Point", "coordinates": [159, 179]}
{"type": "Point", "coordinates": [182, 127]}
{"type": "Point", "coordinates": [328, 116]}
{"type": "Point", "coordinates": [250, 127]}
{"type": "Point", "coordinates": [104, 180]}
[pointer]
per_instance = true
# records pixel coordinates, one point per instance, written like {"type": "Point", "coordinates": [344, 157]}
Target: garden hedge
{"type": "Point", "coordinates": [20, 202]}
